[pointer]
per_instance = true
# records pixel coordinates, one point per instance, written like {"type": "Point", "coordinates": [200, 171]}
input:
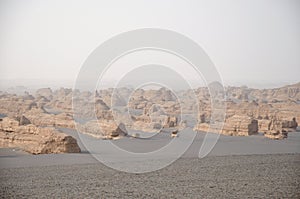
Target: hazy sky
{"type": "Point", "coordinates": [253, 42]}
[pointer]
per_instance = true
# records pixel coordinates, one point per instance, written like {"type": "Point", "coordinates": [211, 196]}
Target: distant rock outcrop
{"type": "Point", "coordinates": [40, 117]}
{"type": "Point", "coordinates": [248, 110]}
{"type": "Point", "coordinates": [290, 125]}
{"type": "Point", "coordinates": [276, 128]}
{"type": "Point", "coordinates": [44, 92]}
{"type": "Point", "coordinates": [103, 129]}
{"type": "Point", "coordinates": [234, 126]}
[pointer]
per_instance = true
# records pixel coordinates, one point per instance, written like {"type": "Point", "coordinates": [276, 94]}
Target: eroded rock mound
{"type": "Point", "coordinates": [235, 125]}
{"type": "Point", "coordinates": [40, 117]}
{"type": "Point", "coordinates": [103, 129]}
{"type": "Point", "coordinates": [276, 128]}
{"type": "Point", "coordinates": [35, 140]}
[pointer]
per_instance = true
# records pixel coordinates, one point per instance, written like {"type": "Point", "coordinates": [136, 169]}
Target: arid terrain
{"type": "Point", "coordinates": [250, 176]}
{"type": "Point", "coordinates": [257, 154]}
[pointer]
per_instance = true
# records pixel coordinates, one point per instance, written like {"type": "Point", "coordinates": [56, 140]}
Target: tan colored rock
{"type": "Point", "coordinates": [153, 120]}
{"type": "Point", "coordinates": [39, 117]}
{"type": "Point", "coordinates": [14, 106]}
{"type": "Point", "coordinates": [147, 126]}
{"type": "Point", "coordinates": [240, 125]}
{"type": "Point", "coordinates": [103, 129]}
{"type": "Point", "coordinates": [263, 125]}
{"type": "Point", "coordinates": [202, 127]}
{"type": "Point", "coordinates": [276, 128]}
{"type": "Point", "coordinates": [35, 140]}
{"type": "Point", "coordinates": [44, 92]}
{"type": "Point", "coordinates": [243, 102]}
{"type": "Point", "coordinates": [236, 125]}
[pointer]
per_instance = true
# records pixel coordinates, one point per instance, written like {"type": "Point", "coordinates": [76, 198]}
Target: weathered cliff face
{"type": "Point", "coordinates": [261, 105]}
{"type": "Point", "coordinates": [153, 119]}
{"type": "Point", "coordinates": [277, 128]}
{"type": "Point", "coordinates": [275, 124]}
{"type": "Point", "coordinates": [234, 126]}
{"type": "Point", "coordinates": [35, 140]}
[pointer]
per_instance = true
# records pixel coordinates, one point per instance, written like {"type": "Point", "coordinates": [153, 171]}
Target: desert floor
{"type": "Point", "coordinates": [237, 167]}
{"type": "Point", "coordinates": [242, 176]}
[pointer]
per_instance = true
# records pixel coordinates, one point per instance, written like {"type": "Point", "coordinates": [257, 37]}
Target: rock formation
{"type": "Point", "coordinates": [40, 117]}
{"type": "Point", "coordinates": [103, 129]}
{"type": "Point", "coordinates": [235, 125]}
{"type": "Point", "coordinates": [35, 140]}
{"type": "Point", "coordinates": [248, 110]}
{"type": "Point", "coordinates": [276, 128]}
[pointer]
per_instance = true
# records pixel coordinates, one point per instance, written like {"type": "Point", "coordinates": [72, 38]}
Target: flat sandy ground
{"type": "Point", "coordinates": [237, 167]}
{"type": "Point", "coordinates": [241, 176]}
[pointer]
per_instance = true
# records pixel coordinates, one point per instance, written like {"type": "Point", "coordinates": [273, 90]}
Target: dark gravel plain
{"type": "Point", "coordinates": [237, 176]}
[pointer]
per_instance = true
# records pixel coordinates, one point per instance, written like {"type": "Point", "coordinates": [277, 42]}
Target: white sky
{"type": "Point", "coordinates": [251, 42]}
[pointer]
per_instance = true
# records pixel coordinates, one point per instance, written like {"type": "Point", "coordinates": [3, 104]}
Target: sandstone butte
{"type": "Point", "coordinates": [32, 119]}
{"type": "Point", "coordinates": [33, 139]}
